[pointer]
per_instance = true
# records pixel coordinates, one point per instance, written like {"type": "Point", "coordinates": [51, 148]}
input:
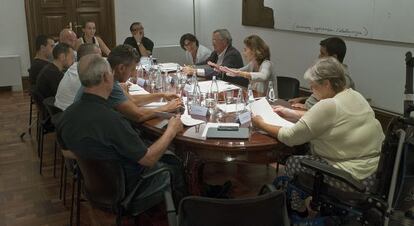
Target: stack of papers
{"type": "Point", "coordinates": [262, 107]}
{"type": "Point", "coordinates": [168, 67]}
{"type": "Point", "coordinates": [205, 86]}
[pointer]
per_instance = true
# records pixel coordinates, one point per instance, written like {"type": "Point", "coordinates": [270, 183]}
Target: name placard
{"type": "Point", "coordinates": [245, 117]}
{"type": "Point", "coordinates": [199, 110]}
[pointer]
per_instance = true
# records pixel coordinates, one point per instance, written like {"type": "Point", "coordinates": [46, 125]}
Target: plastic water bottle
{"type": "Point", "coordinates": [158, 79]}
{"type": "Point", "coordinates": [270, 92]}
{"type": "Point", "coordinates": [250, 96]}
{"type": "Point", "coordinates": [214, 90]}
{"type": "Point", "coordinates": [196, 91]}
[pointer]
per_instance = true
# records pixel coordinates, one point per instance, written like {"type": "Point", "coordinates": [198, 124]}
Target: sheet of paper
{"type": "Point", "coordinates": [229, 108]}
{"type": "Point", "coordinates": [155, 104]}
{"type": "Point", "coordinates": [215, 125]}
{"type": "Point", "coordinates": [168, 67]}
{"type": "Point", "coordinates": [187, 120]}
{"type": "Point", "coordinates": [262, 107]}
{"type": "Point", "coordinates": [135, 89]}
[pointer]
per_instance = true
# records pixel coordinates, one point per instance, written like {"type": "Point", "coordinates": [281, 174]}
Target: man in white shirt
{"type": "Point", "coordinates": [70, 83]}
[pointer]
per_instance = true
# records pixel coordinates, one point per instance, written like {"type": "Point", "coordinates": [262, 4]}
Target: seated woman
{"type": "Point", "coordinates": [341, 128]}
{"type": "Point", "coordinates": [89, 30]}
{"type": "Point", "coordinates": [259, 70]}
{"type": "Point", "coordinates": [194, 52]}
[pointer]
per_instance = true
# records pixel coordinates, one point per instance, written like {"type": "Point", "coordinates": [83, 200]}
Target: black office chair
{"type": "Point", "coordinates": [358, 207]}
{"type": "Point", "coordinates": [104, 186]}
{"type": "Point", "coordinates": [267, 209]}
{"type": "Point", "coordinates": [47, 126]}
{"type": "Point", "coordinates": [287, 87]}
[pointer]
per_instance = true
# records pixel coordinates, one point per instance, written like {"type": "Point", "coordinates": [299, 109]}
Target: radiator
{"type": "Point", "coordinates": [10, 72]}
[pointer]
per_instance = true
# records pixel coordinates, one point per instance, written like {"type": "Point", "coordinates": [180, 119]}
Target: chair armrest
{"type": "Point", "coordinates": [129, 196]}
{"type": "Point", "coordinates": [334, 172]}
{"type": "Point", "coordinates": [171, 212]}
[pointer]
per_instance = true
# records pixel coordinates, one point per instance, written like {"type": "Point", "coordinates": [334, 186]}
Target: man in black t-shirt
{"type": "Point", "coordinates": [93, 130]}
{"type": "Point", "coordinates": [44, 48]}
{"type": "Point", "coordinates": [50, 76]}
{"type": "Point", "coordinates": [143, 44]}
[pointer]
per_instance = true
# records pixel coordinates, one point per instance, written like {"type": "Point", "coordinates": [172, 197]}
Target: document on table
{"type": "Point", "coordinates": [187, 120]}
{"type": "Point", "coordinates": [215, 125]}
{"type": "Point", "coordinates": [168, 67]}
{"type": "Point", "coordinates": [135, 89]}
{"type": "Point", "coordinates": [229, 108]}
{"type": "Point", "coordinates": [262, 107]}
{"type": "Point", "coordinates": [205, 86]}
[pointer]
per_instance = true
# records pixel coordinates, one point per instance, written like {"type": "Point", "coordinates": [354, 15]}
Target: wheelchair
{"type": "Point", "coordinates": [389, 202]}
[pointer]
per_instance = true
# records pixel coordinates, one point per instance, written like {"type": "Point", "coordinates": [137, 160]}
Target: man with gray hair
{"type": "Point", "coordinates": [93, 130]}
{"type": "Point", "coordinates": [70, 83]}
{"type": "Point", "coordinates": [224, 54]}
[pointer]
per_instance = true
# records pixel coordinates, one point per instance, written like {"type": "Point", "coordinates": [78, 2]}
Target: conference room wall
{"type": "Point", "coordinates": [377, 67]}
{"type": "Point", "coordinates": [13, 36]}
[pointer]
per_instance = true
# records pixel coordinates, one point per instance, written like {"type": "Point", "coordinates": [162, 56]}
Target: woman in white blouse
{"type": "Point", "coordinates": [259, 70]}
{"type": "Point", "coordinates": [341, 127]}
{"type": "Point", "coordinates": [195, 53]}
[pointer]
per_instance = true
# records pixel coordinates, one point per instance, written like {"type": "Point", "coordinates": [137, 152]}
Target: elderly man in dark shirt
{"type": "Point", "coordinates": [92, 129]}
{"type": "Point", "coordinates": [50, 76]}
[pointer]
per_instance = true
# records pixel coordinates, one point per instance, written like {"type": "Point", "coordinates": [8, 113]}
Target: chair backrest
{"type": "Point", "coordinates": [287, 87]}
{"type": "Point", "coordinates": [264, 210]}
{"type": "Point", "coordinates": [104, 182]}
{"type": "Point", "coordinates": [49, 104]}
{"type": "Point", "coordinates": [38, 100]}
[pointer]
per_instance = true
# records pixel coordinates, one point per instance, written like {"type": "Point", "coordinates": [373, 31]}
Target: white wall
{"type": "Point", "coordinates": [377, 67]}
{"type": "Point", "coordinates": [13, 35]}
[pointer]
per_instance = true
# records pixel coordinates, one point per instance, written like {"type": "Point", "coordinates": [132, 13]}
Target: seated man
{"type": "Point", "coordinates": [224, 54]}
{"type": "Point", "coordinates": [91, 129]}
{"type": "Point", "coordinates": [50, 76]}
{"type": "Point", "coordinates": [70, 83]}
{"type": "Point", "coordinates": [44, 48]}
{"type": "Point", "coordinates": [142, 44]}
{"type": "Point", "coordinates": [69, 37]}
{"type": "Point", "coordinates": [334, 47]}
{"type": "Point", "coordinates": [123, 60]}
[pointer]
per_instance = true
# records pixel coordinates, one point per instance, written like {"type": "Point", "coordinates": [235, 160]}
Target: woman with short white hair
{"type": "Point", "coordinates": [341, 128]}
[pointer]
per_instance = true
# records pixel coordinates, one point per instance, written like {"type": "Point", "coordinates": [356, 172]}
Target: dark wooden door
{"type": "Point", "coordinates": [49, 17]}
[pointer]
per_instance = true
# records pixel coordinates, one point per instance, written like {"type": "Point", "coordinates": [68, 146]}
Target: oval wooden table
{"type": "Point", "coordinates": [259, 148]}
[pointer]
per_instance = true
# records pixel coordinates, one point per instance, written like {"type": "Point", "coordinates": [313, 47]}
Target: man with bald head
{"type": "Point", "coordinates": [93, 130]}
{"type": "Point", "coordinates": [69, 37]}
